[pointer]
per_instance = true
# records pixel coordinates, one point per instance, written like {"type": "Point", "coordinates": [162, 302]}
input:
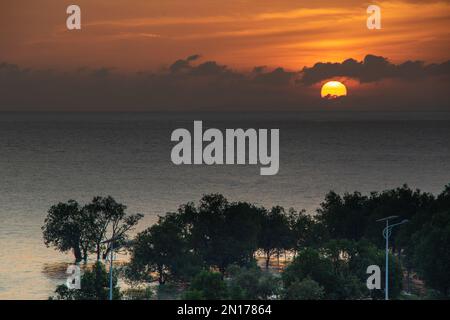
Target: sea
{"type": "Point", "coordinates": [46, 158]}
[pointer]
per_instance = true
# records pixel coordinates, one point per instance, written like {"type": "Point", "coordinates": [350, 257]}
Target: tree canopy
{"type": "Point", "coordinates": [213, 247]}
{"type": "Point", "coordinates": [88, 229]}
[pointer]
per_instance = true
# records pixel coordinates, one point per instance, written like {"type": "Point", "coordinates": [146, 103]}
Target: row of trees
{"type": "Point", "coordinates": [336, 271]}
{"type": "Point", "coordinates": [313, 274]}
{"type": "Point", "coordinates": [199, 243]}
{"type": "Point", "coordinates": [216, 234]}
{"type": "Point", "coordinates": [423, 243]}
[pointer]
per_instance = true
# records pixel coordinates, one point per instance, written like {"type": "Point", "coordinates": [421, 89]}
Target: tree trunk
{"type": "Point", "coordinates": [77, 253]}
{"type": "Point", "coordinates": [408, 275]}
{"type": "Point", "coordinates": [85, 256]}
{"type": "Point", "coordinates": [161, 275]}
{"type": "Point", "coordinates": [98, 252]}
{"type": "Point", "coordinates": [267, 259]}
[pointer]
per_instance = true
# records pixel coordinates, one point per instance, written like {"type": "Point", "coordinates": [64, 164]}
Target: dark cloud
{"type": "Point", "coordinates": [102, 72]}
{"type": "Point", "coordinates": [190, 84]}
{"type": "Point", "coordinates": [259, 69]}
{"type": "Point", "coordinates": [277, 77]}
{"type": "Point", "coordinates": [209, 68]}
{"type": "Point", "coordinates": [180, 65]}
{"type": "Point", "coordinates": [372, 68]}
{"type": "Point", "coordinates": [193, 57]}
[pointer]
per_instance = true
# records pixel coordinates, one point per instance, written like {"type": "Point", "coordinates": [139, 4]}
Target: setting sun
{"type": "Point", "coordinates": [333, 90]}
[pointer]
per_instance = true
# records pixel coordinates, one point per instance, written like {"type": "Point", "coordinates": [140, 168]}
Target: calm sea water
{"type": "Point", "coordinates": [47, 158]}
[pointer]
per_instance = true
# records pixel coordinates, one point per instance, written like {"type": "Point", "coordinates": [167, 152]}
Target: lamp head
{"type": "Point", "coordinates": [387, 218]}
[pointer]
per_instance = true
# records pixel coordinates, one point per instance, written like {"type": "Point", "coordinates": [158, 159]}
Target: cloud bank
{"type": "Point", "coordinates": [195, 84]}
{"type": "Point", "coordinates": [373, 68]}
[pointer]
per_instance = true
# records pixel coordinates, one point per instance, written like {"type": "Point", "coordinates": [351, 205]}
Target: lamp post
{"type": "Point", "coordinates": [386, 234]}
{"type": "Point", "coordinates": [111, 271]}
{"type": "Point", "coordinates": [111, 244]}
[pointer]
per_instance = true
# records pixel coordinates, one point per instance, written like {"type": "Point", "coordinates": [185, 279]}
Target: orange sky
{"type": "Point", "coordinates": [146, 34]}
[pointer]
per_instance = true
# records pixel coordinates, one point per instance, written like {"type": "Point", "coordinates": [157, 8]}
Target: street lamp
{"type": "Point", "coordinates": [386, 234]}
{"type": "Point", "coordinates": [111, 244]}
